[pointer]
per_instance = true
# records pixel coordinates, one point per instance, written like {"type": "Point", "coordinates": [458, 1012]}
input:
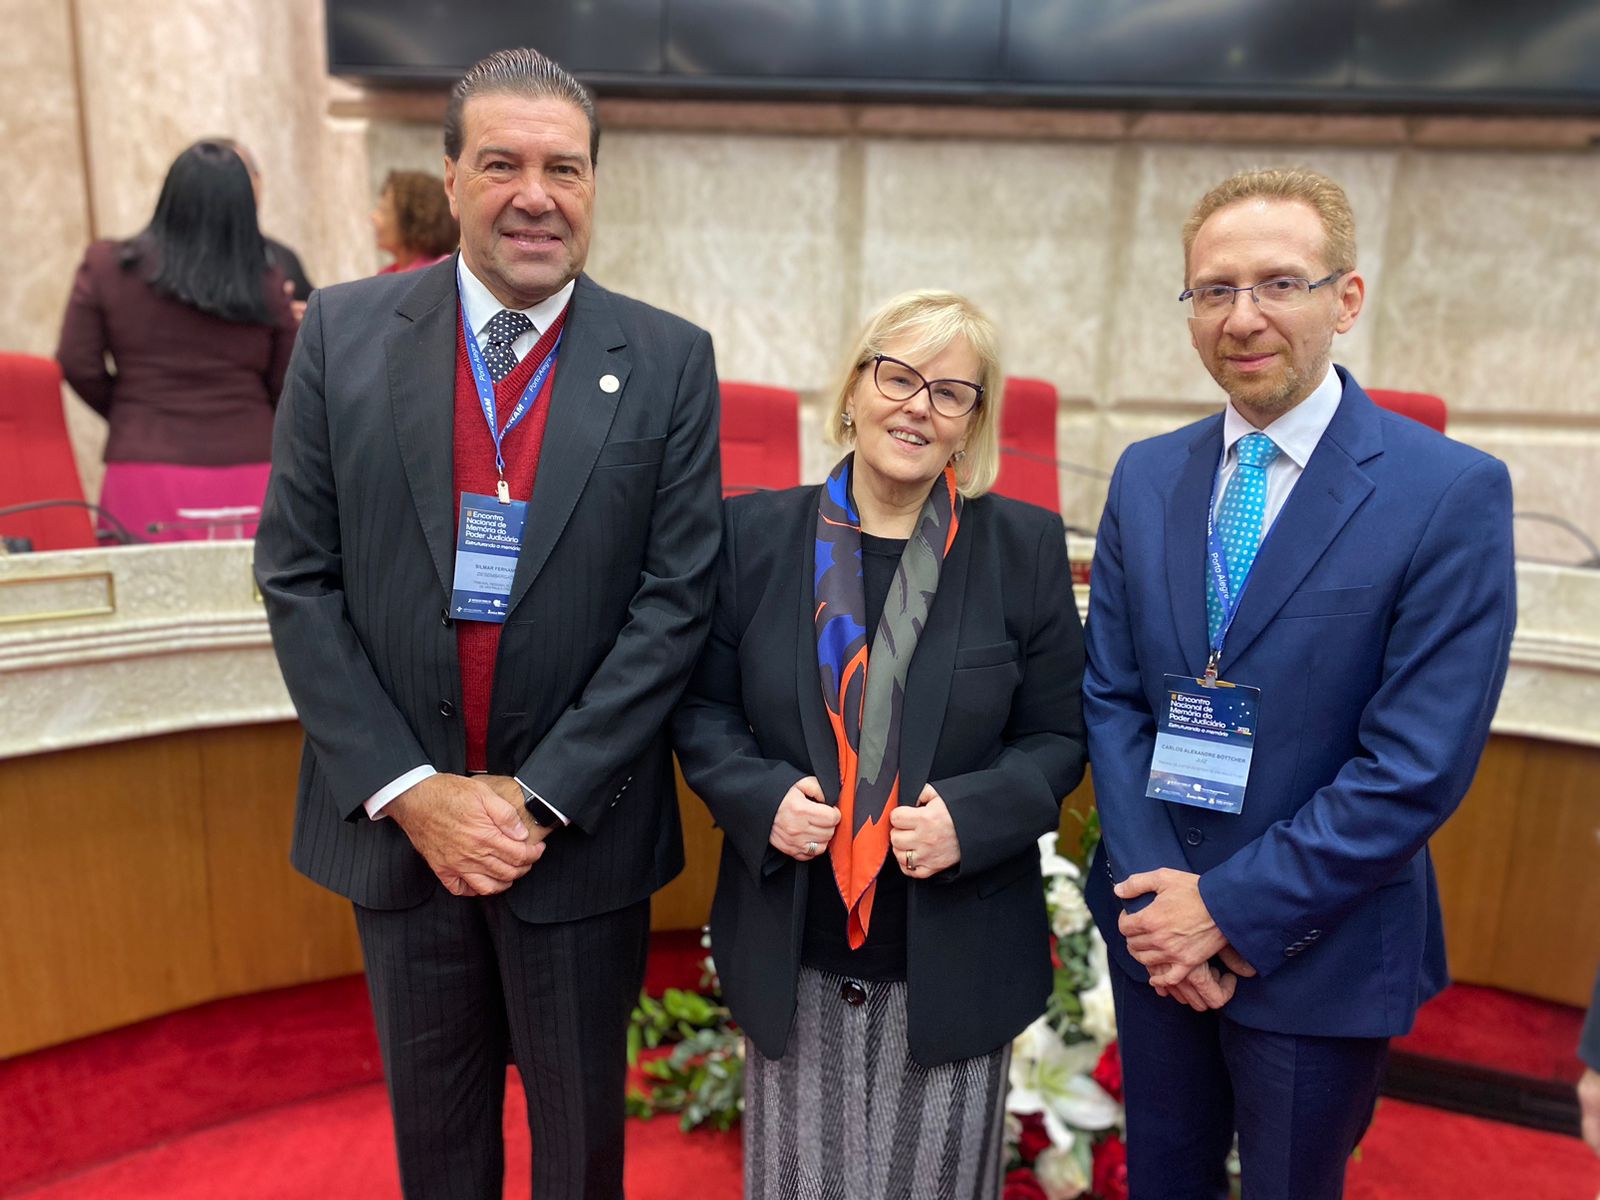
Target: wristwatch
{"type": "Point", "coordinates": [540, 813]}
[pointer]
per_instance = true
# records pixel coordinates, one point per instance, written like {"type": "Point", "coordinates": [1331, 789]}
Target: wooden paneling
{"type": "Point", "coordinates": [1472, 858]}
{"type": "Point", "coordinates": [103, 911]}
{"type": "Point", "coordinates": [146, 876]}
{"type": "Point", "coordinates": [273, 926]}
{"type": "Point", "coordinates": [1549, 939]}
{"type": "Point", "coordinates": [685, 903]}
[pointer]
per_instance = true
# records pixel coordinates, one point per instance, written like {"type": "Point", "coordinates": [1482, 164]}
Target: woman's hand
{"type": "Point", "coordinates": [805, 821]}
{"type": "Point", "coordinates": [923, 838]}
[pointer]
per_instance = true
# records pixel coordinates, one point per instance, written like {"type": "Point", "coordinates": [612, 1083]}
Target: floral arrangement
{"type": "Point", "coordinates": [1063, 1114]}
{"type": "Point", "coordinates": [1064, 1110]}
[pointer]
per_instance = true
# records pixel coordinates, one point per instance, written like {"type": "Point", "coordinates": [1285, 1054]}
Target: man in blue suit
{"type": "Point", "coordinates": [1356, 569]}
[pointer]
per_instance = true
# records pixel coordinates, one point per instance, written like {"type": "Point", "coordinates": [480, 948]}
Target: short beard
{"type": "Point", "coordinates": [1293, 388]}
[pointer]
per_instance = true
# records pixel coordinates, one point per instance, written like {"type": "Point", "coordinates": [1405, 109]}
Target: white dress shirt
{"type": "Point", "coordinates": [481, 307]}
{"type": "Point", "coordinates": [1296, 435]}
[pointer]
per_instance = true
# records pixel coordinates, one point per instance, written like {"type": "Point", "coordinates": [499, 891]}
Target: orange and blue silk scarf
{"type": "Point", "coordinates": [864, 707]}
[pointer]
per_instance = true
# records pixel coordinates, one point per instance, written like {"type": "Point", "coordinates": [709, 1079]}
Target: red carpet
{"type": "Point", "coordinates": [341, 1146]}
{"type": "Point", "coordinates": [1416, 1153]}
{"type": "Point", "coordinates": [276, 1097]}
{"type": "Point", "coordinates": [1500, 1030]}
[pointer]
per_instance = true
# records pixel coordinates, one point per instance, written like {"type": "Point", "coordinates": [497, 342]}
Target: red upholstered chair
{"type": "Point", "coordinates": [1419, 406]}
{"type": "Point", "coordinates": [1028, 444]}
{"type": "Point", "coordinates": [760, 438]}
{"type": "Point", "coordinates": [36, 456]}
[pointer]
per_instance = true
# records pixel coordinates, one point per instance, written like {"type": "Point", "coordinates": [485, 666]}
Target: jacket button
{"type": "Point", "coordinates": [853, 994]}
{"type": "Point", "coordinates": [1194, 837]}
{"type": "Point", "coordinates": [1291, 951]}
{"type": "Point", "coordinates": [444, 617]}
{"type": "Point", "coordinates": [446, 709]}
{"type": "Point", "coordinates": [1313, 935]}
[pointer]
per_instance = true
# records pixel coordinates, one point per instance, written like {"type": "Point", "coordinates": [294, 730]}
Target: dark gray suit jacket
{"type": "Point", "coordinates": [609, 606]}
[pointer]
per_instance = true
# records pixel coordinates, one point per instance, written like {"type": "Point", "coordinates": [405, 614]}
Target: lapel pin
{"type": "Point", "coordinates": [609, 383]}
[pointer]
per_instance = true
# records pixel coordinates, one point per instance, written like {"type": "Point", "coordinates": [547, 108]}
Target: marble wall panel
{"type": "Point", "coordinates": [1025, 229]}
{"type": "Point", "coordinates": [1554, 471]}
{"type": "Point", "coordinates": [1492, 300]}
{"type": "Point", "coordinates": [745, 236]}
{"type": "Point", "coordinates": [158, 76]}
{"type": "Point", "coordinates": [1153, 358]}
{"type": "Point", "coordinates": [45, 216]}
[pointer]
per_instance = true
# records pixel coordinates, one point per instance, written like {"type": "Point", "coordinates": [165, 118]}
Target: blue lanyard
{"type": "Point", "coordinates": [1217, 564]}
{"type": "Point", "coordinates": [485, 384]}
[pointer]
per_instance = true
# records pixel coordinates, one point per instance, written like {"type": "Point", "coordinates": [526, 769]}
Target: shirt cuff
{"type": "Point", "coordinates": [529, 794]}
{"type": "Point", "coordinates": [375, 803]}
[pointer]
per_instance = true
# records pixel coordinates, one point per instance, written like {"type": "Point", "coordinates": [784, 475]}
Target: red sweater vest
{"type": "Point", "coordinates": [478, 642]}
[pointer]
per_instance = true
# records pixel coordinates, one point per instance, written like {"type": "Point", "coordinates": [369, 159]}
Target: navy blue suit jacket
{"type": "Point", "coordinates": [1377, 624]}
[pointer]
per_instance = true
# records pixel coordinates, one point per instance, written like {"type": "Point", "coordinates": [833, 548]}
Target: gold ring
{"type": "Point", "coordinates": [909, 866]}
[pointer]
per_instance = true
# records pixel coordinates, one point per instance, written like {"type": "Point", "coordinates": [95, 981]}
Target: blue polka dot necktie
{"type": "Point", "coordinates": [503, 329]}
{"type": "Point", "coordinates": [1239, 520]}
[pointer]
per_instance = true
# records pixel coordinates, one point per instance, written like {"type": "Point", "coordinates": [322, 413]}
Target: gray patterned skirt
{"type": "Point", "coordinates": [846, 1114]}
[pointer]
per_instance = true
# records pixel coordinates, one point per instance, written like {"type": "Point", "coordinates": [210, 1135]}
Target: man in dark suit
{"type": "Point", "coordinates": [1274, 921]}
{"type": "Point", "coordinates": [495, 795]}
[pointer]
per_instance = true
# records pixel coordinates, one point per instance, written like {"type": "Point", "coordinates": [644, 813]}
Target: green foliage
{"type": "Point", "coordinates": [703, 1076]}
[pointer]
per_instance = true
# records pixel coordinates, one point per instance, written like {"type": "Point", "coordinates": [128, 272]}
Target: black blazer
{"type": "Point", "coordinates": [992, 718]}
{"type": "Point", "coordinates": [609, 605]}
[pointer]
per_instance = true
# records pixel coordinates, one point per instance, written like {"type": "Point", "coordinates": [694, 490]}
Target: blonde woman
{"type": "Point", "coordinates": [884, 722]}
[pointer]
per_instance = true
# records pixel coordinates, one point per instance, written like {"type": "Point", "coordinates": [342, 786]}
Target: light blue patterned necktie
{"type": "Point", "coordinates": [1239, 520]}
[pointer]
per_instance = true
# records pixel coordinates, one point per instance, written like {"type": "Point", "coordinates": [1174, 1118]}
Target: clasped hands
{"type": "Point", "coordinates": [1174, 938]}
{"type": "Point", "coordinates": [471, 829]}
{"type": "Point", "coordinates": [922, 838]}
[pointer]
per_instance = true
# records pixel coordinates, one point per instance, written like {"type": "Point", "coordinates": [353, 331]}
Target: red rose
{"type": "Point", "coordinates": [1055, 953]}
{"type": "Point", "coordinates": [1034, 1139]}
{"type": "Point", "coordinates": [1111, 1169]}
{"type": "Point", "coordinates": [1108, 1071]}
{"type": "Point", "coordinates": [1021, 1185]}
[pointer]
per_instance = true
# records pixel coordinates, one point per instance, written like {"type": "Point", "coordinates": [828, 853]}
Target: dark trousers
{"type": "Point", "coordinates": [455, 983]}
{"type": "Point", "coordinates": [1299, 1104]}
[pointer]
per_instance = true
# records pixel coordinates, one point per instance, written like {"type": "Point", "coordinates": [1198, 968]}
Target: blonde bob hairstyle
{"type": "Point", "coordinates": [919, 325]}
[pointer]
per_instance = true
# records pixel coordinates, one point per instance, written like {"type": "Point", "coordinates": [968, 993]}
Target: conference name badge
{"type": "Point", "coordinates": [488, 543]}
{"type": "Point", "coordinates": [1204, 739]}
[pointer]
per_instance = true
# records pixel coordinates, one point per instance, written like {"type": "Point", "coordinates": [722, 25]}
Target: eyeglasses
{"type": "Point", "coordinates": [1281, 293]}
{"type": "Point", "coordinates": [900, 381]}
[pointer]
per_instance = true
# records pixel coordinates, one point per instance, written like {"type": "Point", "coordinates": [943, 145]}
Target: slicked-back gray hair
{"type": "Point", "coordinates": [520, 72]}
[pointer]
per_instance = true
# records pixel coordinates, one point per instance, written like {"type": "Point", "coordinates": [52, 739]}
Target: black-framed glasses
{"type": "Point", "coordinates": [900, 381]}
{"type": "Point", "coordinates": [1281, 293]}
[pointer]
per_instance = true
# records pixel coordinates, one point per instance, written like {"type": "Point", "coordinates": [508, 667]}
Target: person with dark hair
{"type": "Point", "coordinates": [180, 337]}
{"type": "Point", "coordinates": [487, 556]}
{"type": "Point", "coordinates": [278, 255]}
{"type": "Point", "coordinates": [413, 223]}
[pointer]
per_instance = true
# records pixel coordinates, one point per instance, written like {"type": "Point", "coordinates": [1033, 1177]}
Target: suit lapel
{"type": "Point", "coordinates": [581, 412]}
{"type": "Point", "coordinates": [1326, 495]}
{"type": "Point", "coordinates": [1186, 544]}
{"type": "Point", "coordinates": [421, 361]}
{"type": "Point", "coordinates": [820, 745]}
{"type": "Point", "coordinates": [933, 668]}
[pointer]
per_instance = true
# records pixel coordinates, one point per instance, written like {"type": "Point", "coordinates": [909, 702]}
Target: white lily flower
{"type": "Point", "coordinates": [1060, 1174]}
{"type": "Point", "coordinates": [1050, 1077]}
{"type": "Point", "coordinates": [1051, 861]}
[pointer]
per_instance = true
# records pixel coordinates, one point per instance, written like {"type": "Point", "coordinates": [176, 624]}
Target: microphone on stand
{"type": "Point", "coordinates": [118, 531]}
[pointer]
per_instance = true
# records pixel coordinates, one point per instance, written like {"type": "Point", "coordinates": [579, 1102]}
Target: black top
{"type": "Point", "coordinates": [287, 261]}
{"type": "Point", "coordinates": [826, 948]}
